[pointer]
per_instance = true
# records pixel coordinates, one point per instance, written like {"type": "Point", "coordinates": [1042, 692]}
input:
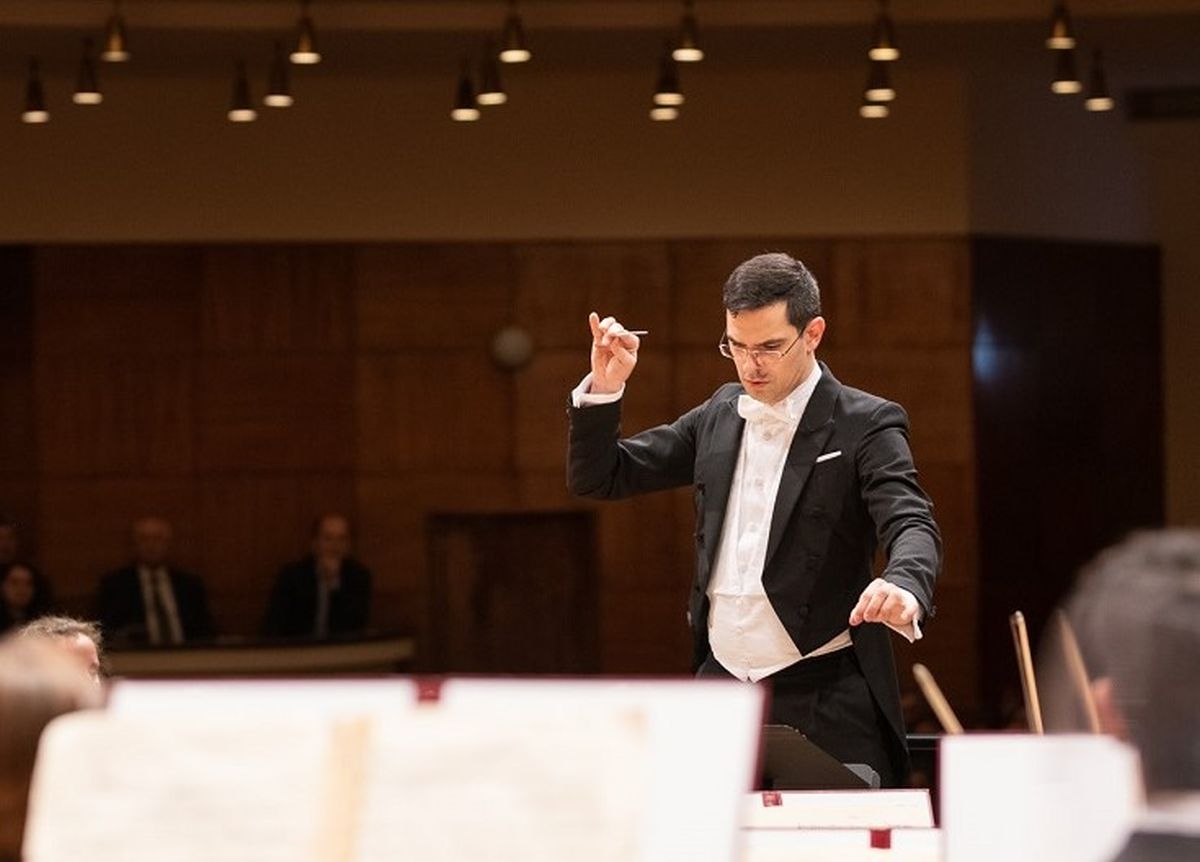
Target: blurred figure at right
{"type": "Point", "coordinates": [326, 594]}
{"type": "Point", "coordinates": [24, 595]}
{"type": "Point", "coordinates": [1136, 614]}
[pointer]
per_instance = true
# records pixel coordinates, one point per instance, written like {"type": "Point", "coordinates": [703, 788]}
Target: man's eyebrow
{"type": "Point", "coordinates": [768, 344]}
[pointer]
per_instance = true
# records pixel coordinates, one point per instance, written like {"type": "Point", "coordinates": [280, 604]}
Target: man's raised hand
{"type": "Point", "coordinates": [614, 354]}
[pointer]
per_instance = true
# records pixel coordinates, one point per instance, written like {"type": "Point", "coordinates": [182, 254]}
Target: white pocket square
{"type": "Point", "coordinates": [828, 456]}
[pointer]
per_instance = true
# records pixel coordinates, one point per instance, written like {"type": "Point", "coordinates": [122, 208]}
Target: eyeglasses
{"type": "Point", "coordinates": [738, 352]}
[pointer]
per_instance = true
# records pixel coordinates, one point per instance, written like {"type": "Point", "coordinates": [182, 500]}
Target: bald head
{"type": "Point", "coordinates": [152, 540]}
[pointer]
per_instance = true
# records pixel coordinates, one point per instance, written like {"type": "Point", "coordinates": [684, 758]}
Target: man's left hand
{"type": "Point", "coordinates": [882, 602]}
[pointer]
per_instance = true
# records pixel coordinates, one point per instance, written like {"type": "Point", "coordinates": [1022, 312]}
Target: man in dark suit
{"type": "Point", "coordinates": [1136, 610]}
{"type": "Point", "coordinates": [326, 594]}
{"type": "Point", "coordinates": [150, 601]}
{"type": "Point", "coordinates": [797, 480]}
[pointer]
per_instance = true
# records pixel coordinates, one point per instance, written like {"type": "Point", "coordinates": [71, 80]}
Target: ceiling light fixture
{"type": "Point", "coordinates": [116, 42]}
{"type": "Point", "coordinates": [667, 91]}
{"type": "Point", "coordinates": [873, 110]}
{"type": "Point", "coordinates": [512, 43]}
{"type": "Point", "coordinates": [35, 97]}
{"type": "Point", "coordinates": [879, 83]}
{"type": "Point", "coordinates": [241, 109]}
{"type": "Point", "coordinates": [305, 52]}
{"type": "Point", "coordinates": [1098, 97]}
{"type": "Point", "coordinates": [687, 49]}
{"type": "Point", "coordinates": [491, 90]}
{"type": "Point", "coordinates": [1062, 34]}
{"type": "Point", "coordinates": [465, 110]}
{"type": "Point", "coordinates": [883, 37]}
{"type": "Point", "coordinates": [279, 81]}
{"type": "Point", "coordinates": [664, 113]}
{"type": "Point", "coordinates": [1066, 78]}
{"type": "Point", "coordinates": [87, 86]}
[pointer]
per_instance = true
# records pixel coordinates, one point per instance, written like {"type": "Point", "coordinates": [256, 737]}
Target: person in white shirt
{"type": "Point", "coordinates": [797, 481]}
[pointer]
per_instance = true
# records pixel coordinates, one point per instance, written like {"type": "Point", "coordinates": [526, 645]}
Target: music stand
{"type": "Point", "coordinates": [790, 761]}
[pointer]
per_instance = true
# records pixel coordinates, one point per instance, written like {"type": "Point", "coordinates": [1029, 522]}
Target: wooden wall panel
{"type": "Point", "coordinates": [104, 299]}
{"type": "Point", "coordinates": [105, 414]}
{"type": "Point", "coordinates": [17, 434]}
{"type": "Point", "coordinates": [907, 293]}
{"type": "Point", "coordinates": [559, 284]}
{"type": "Point", "coordinates": [275, 412]}
{"type": "Point", "coordinates": [432, 297]}
{"type": "Point", "coordinates": [433, 411]}
{"type": "Point", "coordinates": [272, 383]}
{"type": "Point", "coordinates": [277, 299]}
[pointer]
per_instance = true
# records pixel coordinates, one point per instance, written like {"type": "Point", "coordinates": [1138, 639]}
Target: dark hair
{"type": "Point", "coordinates": [1137, 613]}
{"type": "Point", "coordinates": [770, 278]}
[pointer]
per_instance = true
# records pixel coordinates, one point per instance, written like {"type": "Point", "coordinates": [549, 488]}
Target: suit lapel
{"type": "Point", "coordinates": [815, 427]}
{"type": "Point", "coordinates": [721, 457]}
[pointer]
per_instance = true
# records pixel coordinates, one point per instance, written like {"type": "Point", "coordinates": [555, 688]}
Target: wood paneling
{"type": "Point", "coordinates": [115, 414]}
{"type": "Point", "coordinates": [432, 297]}
{"type": "Point", "coordinates": [241, 390]}
{"type": "Point", "coordinates": [276, 412]}
{"type": "Point", "coordinates": [559, 284]}
{"type": "Point", "coordinates": [277, 299]}
{"type": "Point", "coordinates": [433, 411]}
{"type": "Point", "coordinates": [99, 299]}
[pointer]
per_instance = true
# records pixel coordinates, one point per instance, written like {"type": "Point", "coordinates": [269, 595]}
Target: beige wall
{"type": "Point", "coordinates": [573, 155]}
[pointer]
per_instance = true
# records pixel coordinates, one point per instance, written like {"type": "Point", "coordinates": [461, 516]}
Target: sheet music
{"type": "Point", "coordinates": [840, 809]}
{"type": "Point", "coordinates": [136, 790]}
{"type": "Point", "coordinates": [453, 785]}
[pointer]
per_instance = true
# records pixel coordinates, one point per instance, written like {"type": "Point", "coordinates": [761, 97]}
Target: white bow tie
{"type": "Point", "coordinates": [755, 411]}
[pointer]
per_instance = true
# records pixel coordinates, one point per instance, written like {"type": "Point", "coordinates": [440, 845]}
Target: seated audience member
{"type": "Point", "coordinates": [150, 601]}
{"type": "Point", "coordinates": [37, 683]}
{"type": "Point", "coordinates": [1136, 613]}
{"type": "Point", "coordinates": [325, 594]}
{"type": "Point", "coordinates": [78, 639]}
{"type": "Point", "coordinates": [24, 595]}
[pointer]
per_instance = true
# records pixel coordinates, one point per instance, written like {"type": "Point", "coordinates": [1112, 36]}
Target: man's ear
{"type": "Point", "coordinates": [1112, 721]}
{"type": "Point", "coordinates": [813, 333]}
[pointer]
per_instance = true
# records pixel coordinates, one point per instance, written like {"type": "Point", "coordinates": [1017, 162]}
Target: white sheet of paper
{"type": "Point", "coordinates": [273, 697]}
{"type": "Point", "coordinates": [703, 739]}
{"type": "Point", "coordinates": [457, 785]}
{"type": "Point", "coordinates": [1058, 798]}
{"type": "Point", "coordinates": [137, 789]}
{"type": "Point", "coordinates": [839, 845]}
{"type": "Point", "coordinates": [839, 809]}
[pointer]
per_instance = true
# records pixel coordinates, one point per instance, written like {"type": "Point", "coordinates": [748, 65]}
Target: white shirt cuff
{"type": "Point", "coordinates": [581, 397]}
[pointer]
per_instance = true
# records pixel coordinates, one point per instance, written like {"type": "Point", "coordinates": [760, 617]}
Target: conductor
{"type": "Point", "coordinates": [797, 481]}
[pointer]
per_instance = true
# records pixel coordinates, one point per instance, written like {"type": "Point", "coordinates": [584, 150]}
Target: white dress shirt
{"type": "Point", "coordinates": [746, 635]}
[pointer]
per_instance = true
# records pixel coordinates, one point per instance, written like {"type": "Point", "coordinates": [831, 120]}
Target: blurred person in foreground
{"type": "Point", "coordinates": [1136, 613]}
{"type": "Point", "coordinates": [38, 682]}
{"type": "Point", "coordinates": [80, 640]}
